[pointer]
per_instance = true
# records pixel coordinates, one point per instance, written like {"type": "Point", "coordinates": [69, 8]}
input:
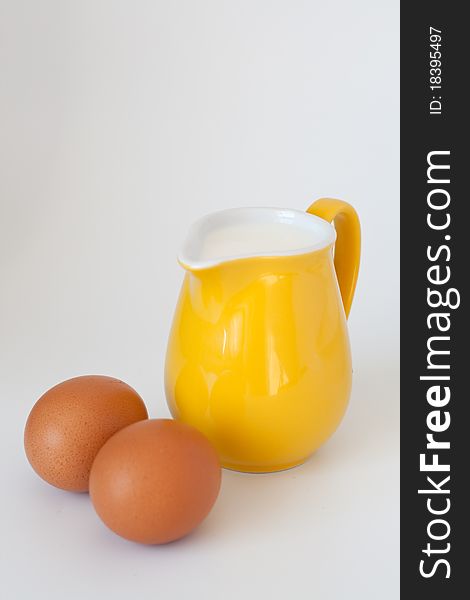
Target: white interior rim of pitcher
{"type": "Point", "coordinates": [323, 233]}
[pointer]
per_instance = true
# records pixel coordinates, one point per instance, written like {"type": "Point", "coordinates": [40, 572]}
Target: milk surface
{"type": "Point", "coordinates": [246, 239]}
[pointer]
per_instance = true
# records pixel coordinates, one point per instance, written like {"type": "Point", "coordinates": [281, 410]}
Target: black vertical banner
{"type": "Point", "coordinates": [435, 268]}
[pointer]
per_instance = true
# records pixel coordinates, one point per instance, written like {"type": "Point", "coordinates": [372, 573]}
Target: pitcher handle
{"type": "Point", "coordinates": [348, 243]}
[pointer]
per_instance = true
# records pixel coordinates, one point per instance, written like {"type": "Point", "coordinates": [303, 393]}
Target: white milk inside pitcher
{"type": "Point", "coordinates": [254, 238]}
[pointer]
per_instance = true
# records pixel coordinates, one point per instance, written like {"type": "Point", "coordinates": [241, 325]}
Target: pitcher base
{"type": "Point", "coordinates": [263, 469]}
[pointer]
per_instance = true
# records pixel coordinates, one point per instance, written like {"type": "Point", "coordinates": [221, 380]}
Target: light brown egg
{"type": "Point", "coordinates": [69, 423]}
{"type": "Point", "coordinates": [155, 481]}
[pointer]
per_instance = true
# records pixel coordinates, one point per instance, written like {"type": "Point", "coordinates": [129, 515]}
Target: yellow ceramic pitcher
{"type": "Point", "coordinates": [258, 357]}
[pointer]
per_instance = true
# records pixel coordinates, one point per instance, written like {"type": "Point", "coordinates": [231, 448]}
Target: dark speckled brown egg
{"type": "Point", "coordinates": [70, 423]}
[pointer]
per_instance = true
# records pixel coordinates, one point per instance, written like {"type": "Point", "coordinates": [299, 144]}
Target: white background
{"type": "Point", "coordinates": [120, 123]}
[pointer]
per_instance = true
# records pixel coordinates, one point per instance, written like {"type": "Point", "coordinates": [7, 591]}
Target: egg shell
{"type": "Point", "coordinates": [155, 481]}
{"type": "Point", "coordinates": [70, 422]}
